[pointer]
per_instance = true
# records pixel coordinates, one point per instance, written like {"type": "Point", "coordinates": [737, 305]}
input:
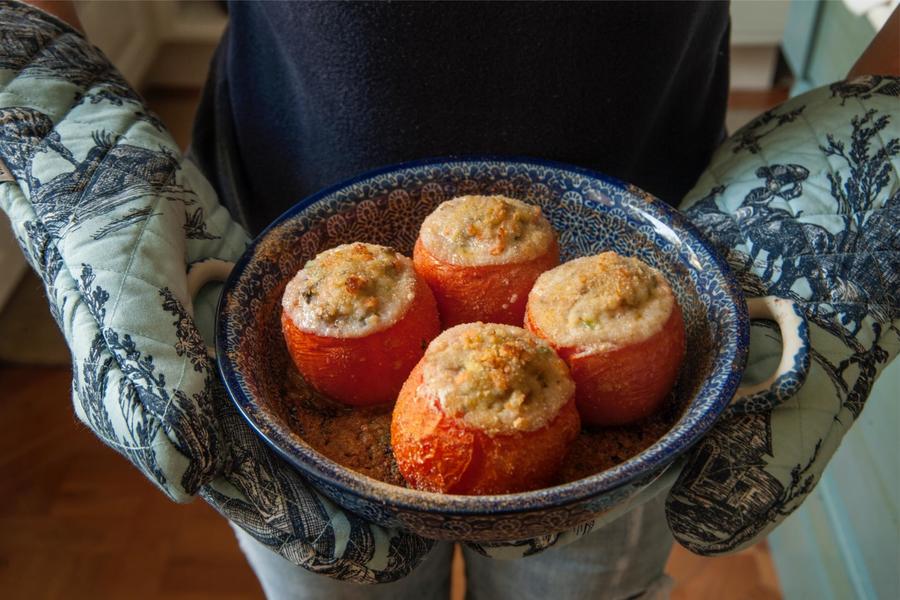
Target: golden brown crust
{"type": "Point", "coordinates": [486, 230]}
{"type": "Point", "coordinates": [352, 290]}
{"type": "Point", "coordinates": [499, 379]}
{"type": "Point", "coordinates": [600, 302]}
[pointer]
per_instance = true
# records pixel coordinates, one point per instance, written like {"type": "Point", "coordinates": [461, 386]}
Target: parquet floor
{"type": "Point", "coordinates": [78, 522]}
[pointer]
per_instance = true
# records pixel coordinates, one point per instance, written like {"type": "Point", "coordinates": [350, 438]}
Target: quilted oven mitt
{"type": "Point", "coordinates": [111, 216]}
{"type": "Point", "coordinates": [805, 204]}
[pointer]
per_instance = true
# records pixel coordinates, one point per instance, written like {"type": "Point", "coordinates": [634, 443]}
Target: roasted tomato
{"type": "Point", "coordinates": [347, 349]}
{"type": "Point", "coordinates": [616, 323]}
{"type": "Point", "coordinates": [508, 446]}
{"type": "Point", "coordinates": [481, 255]}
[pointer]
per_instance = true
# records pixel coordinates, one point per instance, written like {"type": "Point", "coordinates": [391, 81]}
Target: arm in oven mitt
{"type": "Point", "coordinates": [110, 215]}
{"type": "Point", "coordinates": [805, 204]}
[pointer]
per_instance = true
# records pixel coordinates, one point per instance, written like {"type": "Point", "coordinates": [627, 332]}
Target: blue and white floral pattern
{"type": "Point", "coordinates": [805, 203]}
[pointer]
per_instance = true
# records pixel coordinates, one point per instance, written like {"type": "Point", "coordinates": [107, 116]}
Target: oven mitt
{"type": "Point", "coordinates": [111, 217]}
{"type": "Point", "coordinates": [804, 202]}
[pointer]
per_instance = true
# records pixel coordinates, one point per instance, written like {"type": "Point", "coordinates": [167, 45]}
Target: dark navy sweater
{"type": "Point", "coordinates": [303, 95]}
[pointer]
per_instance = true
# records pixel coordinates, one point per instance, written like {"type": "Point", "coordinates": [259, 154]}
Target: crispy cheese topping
{"type": "Point", "coordinates": [350, 291]}
{"type": "Point", "coordinates": [486, 230]}
{"type": "Point", "coordinates": [600, 302]}
{"type": "Point", "coordinates": [497, 378]}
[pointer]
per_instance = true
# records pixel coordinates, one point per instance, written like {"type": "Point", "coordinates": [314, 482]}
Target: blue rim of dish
{"type": "Point", "coordinates": [655, 458]}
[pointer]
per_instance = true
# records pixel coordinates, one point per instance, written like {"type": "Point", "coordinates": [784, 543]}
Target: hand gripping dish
{"type": "Point", "coordinates": [489, 409]}
{"type": "Point", "coordinates": [356, 319]}
{"type": "Point", "coordinates": [481, 255]}
{"type": "Point", "coordinates": [616, 322]}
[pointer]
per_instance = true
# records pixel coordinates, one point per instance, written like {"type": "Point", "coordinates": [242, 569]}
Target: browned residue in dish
{"type": "Point", "coordinates": [594, 451]}
{"type": "Point", "coordinates": [359, 438]}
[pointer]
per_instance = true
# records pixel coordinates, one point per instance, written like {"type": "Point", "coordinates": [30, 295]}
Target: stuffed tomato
{"type": "Point", "coordinates": [356, 319]}
{"type": "Point", "coordinates": [489, 409]}
{"type": "Point", "coordinates": [481, 254]}
{"type": "Point", "coordinates": [617, 324]}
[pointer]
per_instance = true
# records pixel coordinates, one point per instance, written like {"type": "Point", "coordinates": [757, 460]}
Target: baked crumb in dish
{"type": "Point", "coordinates": [359, 439]}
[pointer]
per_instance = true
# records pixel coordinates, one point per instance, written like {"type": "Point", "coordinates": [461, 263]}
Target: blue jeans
{"type": "Point", "coordinates": [623, 560]}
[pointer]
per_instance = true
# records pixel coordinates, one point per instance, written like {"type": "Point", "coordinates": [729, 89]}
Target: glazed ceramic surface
{"type": "Point", "coordinates": [591, 213]}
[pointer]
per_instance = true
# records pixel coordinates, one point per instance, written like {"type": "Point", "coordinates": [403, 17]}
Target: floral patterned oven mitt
{"type": "Point", "coordinates": [110, 216]}
{"type": "Point", "coordinates": [805, 204]}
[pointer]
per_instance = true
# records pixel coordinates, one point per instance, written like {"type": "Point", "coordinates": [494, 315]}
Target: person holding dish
{"type": "Point", "coordinates": [301, 96]}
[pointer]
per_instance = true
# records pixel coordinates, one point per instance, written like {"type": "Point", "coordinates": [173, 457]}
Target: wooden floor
{"type": "Point", "coordinates": [78, 522]}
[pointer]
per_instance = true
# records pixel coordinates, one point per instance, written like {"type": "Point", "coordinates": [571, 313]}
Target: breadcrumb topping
{"type": "Point", "coordinates": [485, 230]}
{"type": "Point", "coordinates": [498, 378]}
{"type": "Point", "coordinates": [600, 301]}
{"type": "Point", "coordinates": [350, 291]}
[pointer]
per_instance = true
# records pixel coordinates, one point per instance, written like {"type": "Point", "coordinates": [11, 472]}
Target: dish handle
{"type": "Point", "coordinates": [200, 273]}
{"type": "Point", "coordinates": [794, 364]}
{"type": "Point", "coordinates": [205, 271]}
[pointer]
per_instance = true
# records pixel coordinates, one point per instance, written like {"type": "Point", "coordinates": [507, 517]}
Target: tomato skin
{"type": "Point", "coordinates": [626, 384]}
{"type": "Point", "coordinates": [439, 453]}
{"type": "Point", "coordinates": [367, 370]}
{"type": "Point", "coordinates": [487, 293]}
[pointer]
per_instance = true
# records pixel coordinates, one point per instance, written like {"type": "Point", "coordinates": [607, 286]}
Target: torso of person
{"type": "Point", "coordinates": [303, 95]}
